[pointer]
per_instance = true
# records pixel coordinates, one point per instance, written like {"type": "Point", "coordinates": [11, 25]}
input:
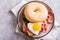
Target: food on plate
{"type": "Point", "coordinates": [34, 27]}
{"type": "Point", "coordinates": [25, 29]}
{"type": "Point", "coordinates": [50, 17]}
{"type": "Point", "coordinates": [44, 26]}
{"type": "Point", "coordinates": [29, 33]}
{"type": "Point", "coordinates": [36, 18]}
{"type": "Point", "coordinates": [35, 12]}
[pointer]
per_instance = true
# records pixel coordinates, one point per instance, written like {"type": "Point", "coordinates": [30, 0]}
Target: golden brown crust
{"type": "Point", "coordinates": [29, 33]}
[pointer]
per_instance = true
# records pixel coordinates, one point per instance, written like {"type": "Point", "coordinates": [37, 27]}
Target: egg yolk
{"type": "Point", "coordinates": [36, 26]}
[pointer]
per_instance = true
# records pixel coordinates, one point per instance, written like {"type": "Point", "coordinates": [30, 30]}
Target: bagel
{"type": "Point", "coordinates": [35, 12]}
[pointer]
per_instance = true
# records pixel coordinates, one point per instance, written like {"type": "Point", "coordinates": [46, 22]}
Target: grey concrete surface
{"type": "Point", "coordinates": [8, 20]}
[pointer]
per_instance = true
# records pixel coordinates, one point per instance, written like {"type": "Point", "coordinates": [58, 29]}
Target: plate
{"type": "Point", "coordinates": [20, 22]}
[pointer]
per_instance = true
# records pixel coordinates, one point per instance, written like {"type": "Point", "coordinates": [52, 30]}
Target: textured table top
{"type": "Point", "coordinates": [8, 20]}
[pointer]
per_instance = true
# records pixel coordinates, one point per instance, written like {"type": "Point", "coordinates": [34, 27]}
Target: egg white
{"type": "Point", "coordinates": [30, 27]}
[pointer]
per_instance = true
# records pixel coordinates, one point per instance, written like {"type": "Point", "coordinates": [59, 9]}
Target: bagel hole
{"type": "Point", "coordinates": [37, 9]}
